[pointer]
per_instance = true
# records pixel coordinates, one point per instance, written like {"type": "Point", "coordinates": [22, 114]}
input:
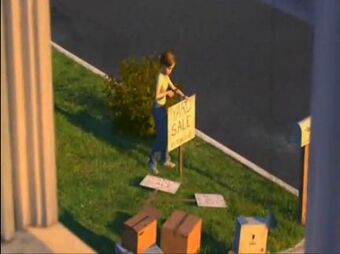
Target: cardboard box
{"type": "Point", "coordinates": [251, 235]}
{"type": "Point", "coordinates": [153, 212]}
{"type": "Point", "coordinates": [140, 232]}
{"type": "Point", "coordinates": [181, 233]}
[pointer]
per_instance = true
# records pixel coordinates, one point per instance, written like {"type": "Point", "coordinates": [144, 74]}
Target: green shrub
{"type": "Point", "coordinates": [130, 97]}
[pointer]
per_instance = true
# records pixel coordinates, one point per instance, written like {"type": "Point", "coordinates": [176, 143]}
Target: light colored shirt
{"type": "Point", "coordinates": [162, 82]}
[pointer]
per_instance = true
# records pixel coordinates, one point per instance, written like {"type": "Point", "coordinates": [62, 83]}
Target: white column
{"type": "Point", "coordinates": [17, 111]}
{"type": "Point", "coordinates": [45, 102]}
{"type": "Point", "coordinates": [7, 210]}
{"type": "Point", "coordinates": [27, 77]}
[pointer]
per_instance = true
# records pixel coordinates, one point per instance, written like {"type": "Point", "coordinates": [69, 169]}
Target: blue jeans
{"type": "Point", "coordinates": [160, 147]}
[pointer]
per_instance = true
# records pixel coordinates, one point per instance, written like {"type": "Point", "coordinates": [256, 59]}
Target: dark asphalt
{"type": "Point", "coordinates": [248, 63]}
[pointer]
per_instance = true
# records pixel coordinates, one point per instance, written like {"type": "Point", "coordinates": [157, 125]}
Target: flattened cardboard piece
{"type": "Point", "coordinates": [161, 184]}
{"type": "Point", "coordinates": [154, 250]}
{"type": "Point", "coordinates": [210, 200]}
{"type": "Point", "coordinates": [119, 249]}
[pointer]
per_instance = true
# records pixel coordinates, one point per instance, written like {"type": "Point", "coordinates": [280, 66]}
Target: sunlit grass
{"type": "Point", "coordinates": [99, 171]}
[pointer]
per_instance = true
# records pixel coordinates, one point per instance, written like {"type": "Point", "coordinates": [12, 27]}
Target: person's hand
{"type": "Point", "coordinates": [184, 97]}
{"type": "Point", "coordinates": [171, 93]}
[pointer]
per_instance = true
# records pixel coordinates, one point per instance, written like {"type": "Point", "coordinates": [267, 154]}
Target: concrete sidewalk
{"type": "Point", "coordinates": [299, 248]}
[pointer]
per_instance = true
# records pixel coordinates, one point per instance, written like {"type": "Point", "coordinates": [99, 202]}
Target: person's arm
{"type": "Point", "coordinates": [176, 90]}
{"type": "Point", "coordinates": [161, 95]}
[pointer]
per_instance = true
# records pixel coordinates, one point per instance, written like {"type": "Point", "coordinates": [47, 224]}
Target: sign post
{"type": "Point", "coordinates": [181, 126]}
{"type": "Point", "coordinates": [305, 128]}
{"type": "Point", "coordinates": [180, 160]}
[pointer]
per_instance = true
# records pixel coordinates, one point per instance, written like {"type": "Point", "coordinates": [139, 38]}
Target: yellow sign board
{"type": "Point", "coordinates": [305, 127]}
{"type": "Point", "coordinates": [181, 122]}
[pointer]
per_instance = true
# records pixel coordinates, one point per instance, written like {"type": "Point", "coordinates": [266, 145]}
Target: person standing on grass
{"type": "Point", "coordinates": [167, 62]}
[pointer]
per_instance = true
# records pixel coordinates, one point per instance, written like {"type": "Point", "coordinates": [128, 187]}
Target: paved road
{"type": "Point", "coordinates": [248, 64]}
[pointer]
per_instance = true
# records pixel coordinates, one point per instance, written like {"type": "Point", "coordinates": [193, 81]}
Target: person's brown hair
{"type": "Point", "coordinates": [168, 59]}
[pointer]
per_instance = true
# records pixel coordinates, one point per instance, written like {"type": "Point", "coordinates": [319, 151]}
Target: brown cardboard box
{"type": "Point", "coordinates": [140, 232]}
{"type": "Point", "coordinates": [153, 212]}
{"type": "Point", "coordinates": [251, 235]}
{"type": "Point", "coordinates": [181, 233]}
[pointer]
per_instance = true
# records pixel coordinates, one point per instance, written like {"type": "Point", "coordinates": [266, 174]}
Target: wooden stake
{"type": "Point", "coordinates": [304, 193]}
{"type": "Point", "coordinates": [180, 160]}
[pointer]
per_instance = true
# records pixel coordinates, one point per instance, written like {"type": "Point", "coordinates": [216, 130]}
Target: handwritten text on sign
{"type": "Point", "coordinates": [210, 200]}
{"type": "Point", "coordinates": [181, 122]}
{"type": "Point", "coordinates": [159, 183]}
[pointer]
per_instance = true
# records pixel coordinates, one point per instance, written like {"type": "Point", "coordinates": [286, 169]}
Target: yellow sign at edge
{"type": "Point", "coordinates": [305, 127]}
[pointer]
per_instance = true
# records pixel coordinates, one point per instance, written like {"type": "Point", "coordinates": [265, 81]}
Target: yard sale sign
{"type": "Point", "coordinates": [181, 122]}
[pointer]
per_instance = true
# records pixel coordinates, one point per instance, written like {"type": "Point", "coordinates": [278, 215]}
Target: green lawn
{"type": "Point", "coordinates": [99, 171]}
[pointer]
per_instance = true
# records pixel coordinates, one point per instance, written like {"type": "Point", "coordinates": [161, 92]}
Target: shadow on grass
{"type": "Point", "coordinates": [99, 243]}
{"type": "Point", "coordinates": [116, 226]}
{"type": "Point", "coordinates": [94, 117]}
{"type": "Point", "coordinates": [208, 241]}
{"type": "Point", "coordinates": [102, 128]}
{"type": "Point", "coordinates": [136, 181]}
